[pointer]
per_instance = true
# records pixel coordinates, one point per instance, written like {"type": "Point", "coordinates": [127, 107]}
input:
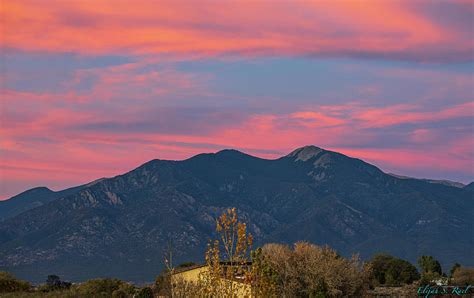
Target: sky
{"type": "Point", "coordinates": [93, 89]}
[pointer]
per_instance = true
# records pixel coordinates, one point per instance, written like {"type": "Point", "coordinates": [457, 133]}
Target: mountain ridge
{"type": "Point", "coordinates": [119, 226]}
{"type": "Point", "coordinates": [35, 197]}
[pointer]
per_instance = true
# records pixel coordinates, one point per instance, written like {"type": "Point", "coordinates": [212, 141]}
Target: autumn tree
{"type": "Point", "coordinates": [233, 237]}
{"type": "Point", "coordinates": [227, 257]}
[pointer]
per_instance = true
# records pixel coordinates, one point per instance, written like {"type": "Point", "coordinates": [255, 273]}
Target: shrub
{"type": "Point", "coordinates": [103, 287]}
{"type": "Point", "coordinates": [430, 278]}
{"type": "Point", "coordinates": [163, 284]}
{"type": "Point", "coordinates": [463, 276]}
{"type": "Point", "coordinates": [145, 293]}
{"type": "Point", "coordinates": [8, 283]}
{"type": "Point", "coordinates": [453, 269]}
{"type": "Point", "coordinates": [119, 294]}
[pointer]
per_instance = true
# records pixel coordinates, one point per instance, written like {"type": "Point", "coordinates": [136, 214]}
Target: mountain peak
{"type": "Point", "coordinates": [36, 190]}
{"type": "Point", "coordinates": [230, 152]}
{"type": "Point", "coordinates": [305, 153]}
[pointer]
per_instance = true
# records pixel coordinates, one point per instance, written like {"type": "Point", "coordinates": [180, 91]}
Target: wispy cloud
{"type": "Point", "coordinates": [384, 29]}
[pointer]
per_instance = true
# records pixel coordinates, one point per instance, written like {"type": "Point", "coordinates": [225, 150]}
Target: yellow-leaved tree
{"type": "Point", "coordinates": [227, 259]}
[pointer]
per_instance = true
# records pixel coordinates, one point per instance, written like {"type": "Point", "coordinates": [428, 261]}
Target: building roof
{"type": "Point", "coordinates": [184, 269]}
{"type": "Point", "coordinates": [225, 263]}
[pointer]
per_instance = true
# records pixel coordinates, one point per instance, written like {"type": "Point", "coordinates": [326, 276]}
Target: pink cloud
{"type": "Point", "coordinates": [402, 114]}
{"type": "Point", "coordinates": [65, 138]}
{"type": "Point", "coordinates": [382, 29]}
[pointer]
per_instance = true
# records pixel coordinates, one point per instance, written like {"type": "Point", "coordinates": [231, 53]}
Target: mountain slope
{"type": "Point", "coordinates": [443, 182]}
{"type": "Point", "coordinates": [121, 226]}
{"type": "Point", "coordinates": [470, 186]}
{"type": "Point", "coordinates": [35, 197]}
{"type": "Point", "coordinates": [32, 198]}
{"type": "Point", "coordinates": [25, 201]}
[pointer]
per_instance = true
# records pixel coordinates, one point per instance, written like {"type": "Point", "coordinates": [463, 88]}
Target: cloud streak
{"type": "Point", "coordinates": [384, 29]}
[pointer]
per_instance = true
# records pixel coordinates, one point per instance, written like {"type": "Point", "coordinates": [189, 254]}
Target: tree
{"type": "Point", "coordinates": [453, 269]}
{"type": "Point", "coordinates": [227, 257]}
{"type": "Point", "coordinates": [428, 264]}
{"type": "Point", "coordinates": [54, 282]}
{"type": "Point", "coordinates": [233, 236]}
{"type": "Point", "coordinates": [389, 270]}
{"type": "Point", "coordinates": [430, 270]}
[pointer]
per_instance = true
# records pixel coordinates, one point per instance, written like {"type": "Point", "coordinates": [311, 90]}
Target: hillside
{"type": "Point", "coordinates": [120, 226]}
{"type": "Point", "coordinates": [35, 197]}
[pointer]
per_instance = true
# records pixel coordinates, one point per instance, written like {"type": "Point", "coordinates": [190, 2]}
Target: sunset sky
{"type": "Point", "coordinates": [93, 88]}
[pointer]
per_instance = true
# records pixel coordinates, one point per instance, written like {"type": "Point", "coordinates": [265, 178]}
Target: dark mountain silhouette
{"type": "Point", "coordinates": [121, 226]}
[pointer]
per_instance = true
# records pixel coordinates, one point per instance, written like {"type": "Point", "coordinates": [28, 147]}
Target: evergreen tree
{"type": "Point", "coordinates": [428, 264]}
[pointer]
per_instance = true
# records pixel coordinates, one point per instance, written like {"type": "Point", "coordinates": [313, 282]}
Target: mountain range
{"type": "Point", "coordinates": [121, 226]}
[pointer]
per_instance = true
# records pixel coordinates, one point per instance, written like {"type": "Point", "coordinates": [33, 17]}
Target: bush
{"type": "Point", "coordinates": [8, 283]}
{"type": "Point", "coordinates": [163, 284]}
{"type": "Point", "coordinates": [119, 294]}
{"type": "Point", "coordinates": [104, 287]}
{"type": "Point", "coordinates": [453, 269]}
{"type": "Point", "coordinates": [463, 276]}
{"type": "Point", "coordinates": [145, 293]}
